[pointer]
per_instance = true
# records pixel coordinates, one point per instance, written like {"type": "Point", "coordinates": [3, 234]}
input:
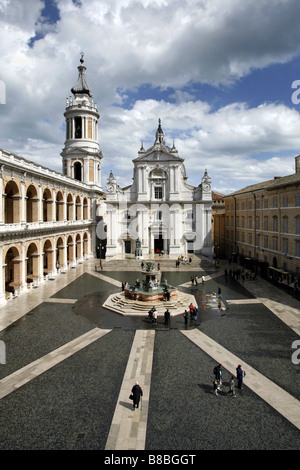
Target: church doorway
{"type": "Point", "coordinates": [127, 246]}
{"type": "Point", "coordinates": [158, 244]}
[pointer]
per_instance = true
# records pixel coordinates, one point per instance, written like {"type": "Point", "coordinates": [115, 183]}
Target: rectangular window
{"type": "Point", "coordinates": [285, 246]}
{"type": "Point", "coordinates": [298, 200]}
{"type": "Point", "coordinates": [265, 242]}
{"type": "Point", "coordinates": [158, 192]}
{"type": "Point", "coordinates": [275, 202]}
{"type": "Point", "coordinates": [298, 226]}
{"type": "Point", "coordinates": [265, 203]}
{"type": "Point", "coordinates": [275, 244]}
{"type": "Point", "coordinates": [285, 225]}
{"type": "Point", "coordinates": [285, 201]}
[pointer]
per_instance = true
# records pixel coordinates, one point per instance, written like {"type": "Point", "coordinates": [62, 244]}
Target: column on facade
{"type": "Point", "coordinates": [2, 273]}
{"type": "Point", "coordinates": [40, 204]}
{"type": "Point", "coordinates": [65, 205]}
{"type": "Point", "coordinates": [1, 197]}
{"type": "Point", "coordinates": [22, 208]}
{"type": "Point", "coordinates": [54, 205]}
{"type": "Point", "coordinates": [171, 179]}
{"type": "Point", "coordinates": [85, 178]}
{"type": "Point", "coordinates": [68, 167]}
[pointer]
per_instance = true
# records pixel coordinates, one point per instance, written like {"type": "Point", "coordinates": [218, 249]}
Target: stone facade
{"type": "Point", "coordinates": [262, 224]}
{"type": "Point", "coordinates": [48, 219]}
{"type": "Point", "coordinates": [160, 208]}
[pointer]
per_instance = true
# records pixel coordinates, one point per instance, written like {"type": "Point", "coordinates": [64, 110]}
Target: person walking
{"type": "Point", "coordinates": [167, 317]}
{"type": "Point", "coordinates": [215, 387]}
{"type": "Point", "coordinates": [203, 279]}
{"type": "Point", "coordinates": [154, 316]}
{"type": "Point", "coordinates": [240, 376]}
{"type": "Point", "coordinates": [137, 393]}
{"type": "Point", "coordinates": [231, 387]}
{"type": "Point", "coordinates": [218, 375]}
{"type": "Point", "coordinates": [186, 317]}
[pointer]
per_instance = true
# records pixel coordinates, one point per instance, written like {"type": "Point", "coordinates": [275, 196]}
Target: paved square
{"type": "Point", "coordinates": [71, 364]}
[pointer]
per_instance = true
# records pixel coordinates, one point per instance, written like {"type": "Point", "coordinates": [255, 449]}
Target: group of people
{"type": "Point", "coordinates": [152, 315]}
{"type": "Point", "coordinates": [240, 274]}
{"type": "Point", "coordinates": [195, 280]}
{"type": "Point", "coordinates": [240, 373]}
{"type": "Point", "coordinates": [192, 313]}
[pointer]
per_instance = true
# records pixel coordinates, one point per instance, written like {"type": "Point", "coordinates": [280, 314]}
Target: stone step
{"type": "Point", "coordinates": [120, 304]}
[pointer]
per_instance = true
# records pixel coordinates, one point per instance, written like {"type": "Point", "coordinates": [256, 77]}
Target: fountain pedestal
{"type": "Point", "coordinates": [151, 289]}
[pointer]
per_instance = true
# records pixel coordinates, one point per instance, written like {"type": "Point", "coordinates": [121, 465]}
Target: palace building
{"type": "Point", "coordinates": [48, 219]}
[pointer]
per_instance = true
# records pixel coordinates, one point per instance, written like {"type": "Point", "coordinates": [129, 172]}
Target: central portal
{"type": "Point", "coordinates": [158, 244]}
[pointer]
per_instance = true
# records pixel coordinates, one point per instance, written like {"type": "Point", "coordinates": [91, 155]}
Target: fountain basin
{"type": "Point", "coordinates": [145, 296]}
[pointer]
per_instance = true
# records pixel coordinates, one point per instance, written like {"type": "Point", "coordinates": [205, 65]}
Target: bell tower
{"type": "Point", "coordinates": [81, 154]}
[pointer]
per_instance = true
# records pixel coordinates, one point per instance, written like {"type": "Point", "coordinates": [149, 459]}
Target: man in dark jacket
{"type": "Point", "coordinates": [137, 393]}
{"type": "Point", "coordinates": [240, 376]}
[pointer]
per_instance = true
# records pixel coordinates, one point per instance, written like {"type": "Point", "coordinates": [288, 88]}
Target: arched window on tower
{"type": "Point", "coordinates": [78, 127]}
{"type": "Point", "coordinates": [77, 171]}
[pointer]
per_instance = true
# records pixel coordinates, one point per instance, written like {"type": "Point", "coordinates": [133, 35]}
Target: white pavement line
{"type": "Point", "coordinates": [15, 380]}
{"type": "Point", "coordinates": [128, 427]}
{"type": "Point", "coordinates": [276, 397]}
{"type": "Point", "coordinates": [289, 315]}
{"type": "Point", "coordinates": [243, 301]}
{"type": "Point", "coordinates": [106, 279]}
{"type": "Point", "coordinates": [57, 300]}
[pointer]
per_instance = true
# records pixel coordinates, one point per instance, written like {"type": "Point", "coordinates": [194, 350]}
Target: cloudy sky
{"type": "Point", "coordinates": [222, 75]}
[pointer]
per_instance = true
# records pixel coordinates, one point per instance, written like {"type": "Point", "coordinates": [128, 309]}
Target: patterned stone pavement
{"type": "Point", "coordinates": [70, 366]}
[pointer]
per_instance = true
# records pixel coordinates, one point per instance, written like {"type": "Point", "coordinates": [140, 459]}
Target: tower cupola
{"type": "Point", "coordinates": [81, 154]}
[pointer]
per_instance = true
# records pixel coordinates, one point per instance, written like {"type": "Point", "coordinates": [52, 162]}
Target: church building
{"type": "Point", "coordinates": [160, 209]}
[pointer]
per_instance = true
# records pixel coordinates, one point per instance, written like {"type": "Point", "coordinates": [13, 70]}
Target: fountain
{"type": "Point", "coordinates": [150, 289]}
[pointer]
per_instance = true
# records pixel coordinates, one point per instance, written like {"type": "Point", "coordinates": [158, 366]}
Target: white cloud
{"type": "Point", "coordinates": [165, 43]}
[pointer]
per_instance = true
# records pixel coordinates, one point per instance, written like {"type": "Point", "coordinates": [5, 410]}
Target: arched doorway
{"type": "Point", "coordinates": [60, 247]}
{"type": "Point", "coordinates": [47, 257]}
{"type": "Point", "coordinates": [70, 249]}
{"type": "Point", "coordinates": [32, 270]}
{"type": "Point", "coordinates": [12, 269]}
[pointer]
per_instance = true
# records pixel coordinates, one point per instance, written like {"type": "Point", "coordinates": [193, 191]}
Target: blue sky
{"type": "Point", "coordinates": [218, 74]}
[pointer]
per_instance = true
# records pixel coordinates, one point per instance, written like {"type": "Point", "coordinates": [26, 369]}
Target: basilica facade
{"type": "Point", "coordinates": [160, 210]}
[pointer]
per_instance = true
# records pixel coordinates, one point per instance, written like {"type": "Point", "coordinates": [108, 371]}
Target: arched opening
{"type": "Point", "coordinates": [70, 249]}
{"type": "Point", "coordinates": [78, 246]}
{"type": "Point", "coordinates": [12, 203]}
{"type": "Point", "coordinates": [12, 269]}
{"type": "Point", "coordinates": [85, 244]}
{"type": "Point", "coordinates": [70, 207]}
{"type": "Point", "coordinates": [47, 206]}
{"type": "Point", "coordinates": [32, 256]}
{"type": "Point", "coordinates": [78, 127]}
{"type": "Point", "coordinates": [59, 261]}
{"type": "Point", "coordinates": [85, 209]}
{"type": "Point", "coordinates": [32, 213]}
{"type": "Point", "coordinates": [59, 206]}
{"type": "Point", "coordinates": [47, 257]}
{"type": "Point", "coordinates": [78, 208]}
{"type": "Point", "coordinates": [78, 171]}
